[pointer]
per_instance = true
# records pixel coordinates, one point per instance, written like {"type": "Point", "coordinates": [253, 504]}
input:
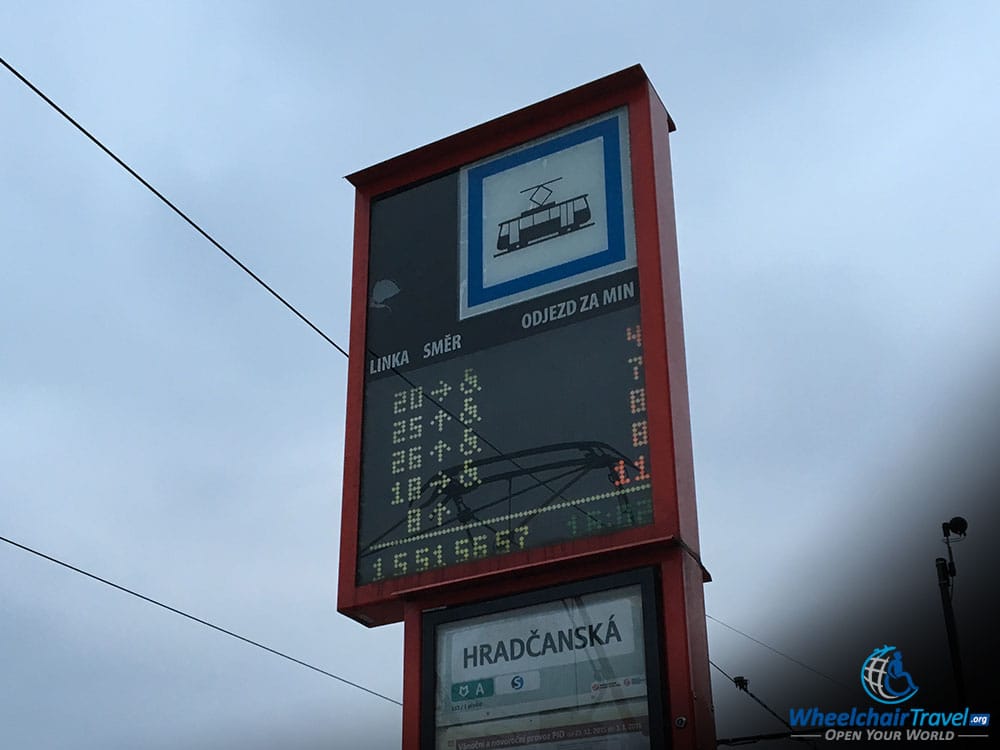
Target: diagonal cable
{"type": "Point", "coordinates": [170, 204]}
{"type": "Point", "coordinates": [779, 653]}
{"type": "Point", "coordinates": [200, 621]}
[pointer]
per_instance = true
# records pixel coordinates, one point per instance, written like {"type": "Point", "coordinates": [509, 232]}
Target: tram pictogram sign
{"type": "Point", "coordinates": [544, 220]}
{"type": "Point", "coordinates": [546, 215]}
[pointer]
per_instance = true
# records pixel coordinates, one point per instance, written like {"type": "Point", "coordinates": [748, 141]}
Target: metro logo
{"type": "Point", "coordinates": [471, 690]}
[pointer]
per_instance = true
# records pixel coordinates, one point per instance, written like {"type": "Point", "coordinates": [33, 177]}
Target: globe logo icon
{"type": "Point", "coordinates": [884, 678]}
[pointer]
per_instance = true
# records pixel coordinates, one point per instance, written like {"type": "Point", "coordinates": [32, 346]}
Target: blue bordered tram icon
{"type": "Point", "coordinates": [885, 679]}
{"type": "Point", "coordinates": [546, 216]}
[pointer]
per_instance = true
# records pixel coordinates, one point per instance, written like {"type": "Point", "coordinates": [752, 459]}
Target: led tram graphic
{"type": "Point", "coordinates": [449, 497]}
{"type": "Point", "coordinates": [544, 221]}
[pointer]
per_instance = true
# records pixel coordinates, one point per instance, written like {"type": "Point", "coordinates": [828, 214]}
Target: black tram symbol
{"type": "Point", "coordinates": [543, 221]}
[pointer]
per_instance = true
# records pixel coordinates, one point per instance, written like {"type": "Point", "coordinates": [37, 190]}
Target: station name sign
{"type": "Point", "coordinates": [573, 668]}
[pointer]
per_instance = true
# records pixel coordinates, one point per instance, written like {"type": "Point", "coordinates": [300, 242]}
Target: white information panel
{"type": "Point", "coordinates": [568, 674]}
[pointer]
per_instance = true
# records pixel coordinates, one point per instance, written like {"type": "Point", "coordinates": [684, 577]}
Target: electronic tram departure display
{"type": "Point", "coordinates": [504, 399]}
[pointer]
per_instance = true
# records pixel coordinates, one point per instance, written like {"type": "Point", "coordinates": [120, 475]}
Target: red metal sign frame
{"type": "Point", "coordinates": [666, 387]}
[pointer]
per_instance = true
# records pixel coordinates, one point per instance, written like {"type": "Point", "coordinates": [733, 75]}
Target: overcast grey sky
{"type": "Point", "coordinates": [169, 426]}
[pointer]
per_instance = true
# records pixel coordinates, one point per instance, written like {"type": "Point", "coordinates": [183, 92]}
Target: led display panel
{"type": "Point", "coordinates": [504, 395]}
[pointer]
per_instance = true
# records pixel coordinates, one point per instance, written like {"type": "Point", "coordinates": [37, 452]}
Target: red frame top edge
{"type": "Point", "coordinates": [467, 145]}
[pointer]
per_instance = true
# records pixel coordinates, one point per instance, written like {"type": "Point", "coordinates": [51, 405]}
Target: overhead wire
{"type": "Point", "coordinates": [173, 207]}
{"type": "Point", "coordinates": [779, 653]}
{"type": "Point", "coordinates": [199, 620]}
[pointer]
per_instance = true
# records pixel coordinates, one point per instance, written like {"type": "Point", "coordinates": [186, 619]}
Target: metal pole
{"type": "Point", "coordinates": [944, 583]}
